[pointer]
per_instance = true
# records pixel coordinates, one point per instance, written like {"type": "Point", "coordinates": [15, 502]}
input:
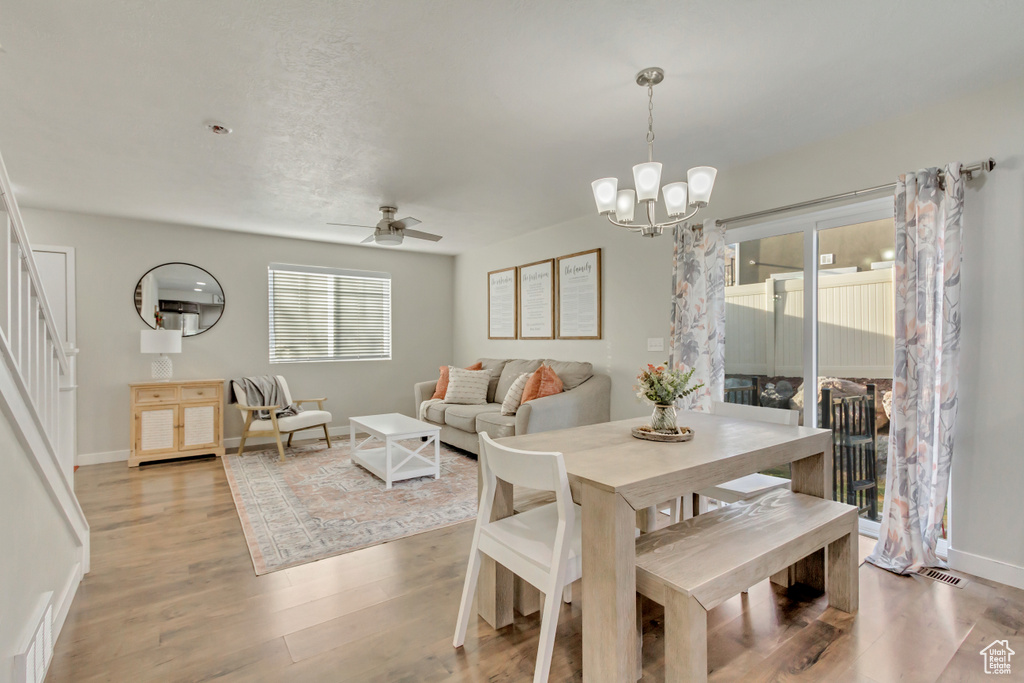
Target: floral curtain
{"type": "Point", "coordinates": [697, 338]}
{"type": "Point", "coordinates": [926, 280]}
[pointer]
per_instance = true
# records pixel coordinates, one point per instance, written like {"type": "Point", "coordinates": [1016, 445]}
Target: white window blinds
{"type": "Point", "coordinates": [321, 314]}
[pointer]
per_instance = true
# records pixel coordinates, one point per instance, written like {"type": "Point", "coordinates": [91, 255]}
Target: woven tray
{"type": "Point", "coordinates": [684, 434]}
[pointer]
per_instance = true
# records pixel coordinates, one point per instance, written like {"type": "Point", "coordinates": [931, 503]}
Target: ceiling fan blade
{"type": "Point", "coordinates": [353, 225]}
{"type": "Point", "coordinates": [403, 223]}
{"type": "Point", "coordinates": [369, 239]}
{"type": "Point", "coordinates": [421, 235]}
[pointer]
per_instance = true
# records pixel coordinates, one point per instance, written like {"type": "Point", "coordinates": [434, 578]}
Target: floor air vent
{"type": "Point", "coordinates": [943, 576]}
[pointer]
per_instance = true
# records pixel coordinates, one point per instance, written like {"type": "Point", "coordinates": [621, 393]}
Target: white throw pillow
{"type": "Point", "coordinates": [467, 387]}
{"type": "Point", "coordinates": [515, 395]}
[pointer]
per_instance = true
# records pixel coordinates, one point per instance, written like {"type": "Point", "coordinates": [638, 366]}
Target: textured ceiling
{"type": "Point", "coordinates": [482, 119]}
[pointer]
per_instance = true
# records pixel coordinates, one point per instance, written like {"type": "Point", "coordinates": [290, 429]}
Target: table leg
{"type": "Point", "coordinates": [609, 587]}
{"type": "Point", "coordinates": [811, 476]}
{"type": "Point", "coordinates": [437, 455]}
{"type": "Point", "coordinates": [494, 587]}
{"type": "Point", "coordinates": [387, 462]}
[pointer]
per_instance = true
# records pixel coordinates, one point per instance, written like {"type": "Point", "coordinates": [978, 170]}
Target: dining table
{"type": "Point", "coordinates": [612, 475]}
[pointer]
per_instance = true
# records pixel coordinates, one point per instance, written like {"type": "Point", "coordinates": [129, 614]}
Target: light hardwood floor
{"type": "Point", "coordinates": [172, 597]}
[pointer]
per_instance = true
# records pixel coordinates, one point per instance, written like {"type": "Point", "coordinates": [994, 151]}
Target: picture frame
{"type": "Point", "coordinates": [537, 300]}
{"type": "Point", "coordinates": [580, 296]}
{"type": "Point", "coordinates": [503, 303]}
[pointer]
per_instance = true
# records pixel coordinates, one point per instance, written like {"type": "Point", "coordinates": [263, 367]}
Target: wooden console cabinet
{"type": "Point", "coordinates": [176, 419]}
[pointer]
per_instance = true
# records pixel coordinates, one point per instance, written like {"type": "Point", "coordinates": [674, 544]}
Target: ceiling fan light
{"type": "Point", "coordinates": [647, 178]}
{"type": "Point", "coordinates": [604, 194]}
{"type": "Point", "coordinates": [702, 181]}
{"type": "Point", "coordinates": [624, 205]}
{"type": "Point", "coordinates": [675, 198]}
{"type": "Point", "coordinates": [388, 239]}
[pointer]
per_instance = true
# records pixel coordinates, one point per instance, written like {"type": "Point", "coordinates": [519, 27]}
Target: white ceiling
{"type": "Point", "coordinates": [482, 119]}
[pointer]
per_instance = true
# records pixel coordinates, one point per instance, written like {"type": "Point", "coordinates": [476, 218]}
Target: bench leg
{"type": "Point", "coordinates": [686, 640]}
{"type": "Point", "coordinates": [525, 598]}
{"type": "Point", "coordinates": [843, 573]}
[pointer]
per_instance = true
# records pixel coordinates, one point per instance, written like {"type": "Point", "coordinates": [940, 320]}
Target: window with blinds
{"type": "Point", "coordinates": [324, 314]}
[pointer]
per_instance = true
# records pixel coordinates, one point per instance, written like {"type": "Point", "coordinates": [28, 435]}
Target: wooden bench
{"type": "Point", "coordinates": [693, 566]}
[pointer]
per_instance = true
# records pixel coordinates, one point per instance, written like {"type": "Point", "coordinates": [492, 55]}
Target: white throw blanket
{"type": "Point", "coordinates": [421, 414]}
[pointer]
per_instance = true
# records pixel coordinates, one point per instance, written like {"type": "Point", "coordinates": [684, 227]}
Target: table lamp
{"type": "Point", "coordinates": [162, 342]}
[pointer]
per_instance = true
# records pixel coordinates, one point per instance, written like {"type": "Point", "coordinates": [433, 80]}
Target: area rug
{"type": "Point", "coordinates": [318, 503]}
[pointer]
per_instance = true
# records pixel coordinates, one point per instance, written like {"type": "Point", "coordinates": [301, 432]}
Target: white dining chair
{"type": "Point", "coordinates": [751, 485]}
{"type": "Point", "coordinates": [542, 545]}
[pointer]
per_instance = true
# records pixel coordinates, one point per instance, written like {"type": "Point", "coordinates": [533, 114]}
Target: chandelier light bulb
{"type": "Point", "coordinates": [624, 206]}
{"type": "Point", "coordinates": [604, 194]}
{"type": "Point", "coordinates": [647, 177]}
{"type": "Point", "coordinates": [702, 181]}
{"type": "Point", "coordinates": [675, 198]}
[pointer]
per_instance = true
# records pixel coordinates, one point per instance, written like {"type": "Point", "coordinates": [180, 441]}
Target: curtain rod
{"type": "Point", "coordinates": [968, 171]}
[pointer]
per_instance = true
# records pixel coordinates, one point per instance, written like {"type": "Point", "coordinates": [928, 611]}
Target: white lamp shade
{"type": "Point", "coordinates": [675, 198]}
{"type": "Point", "coordinates": [702, 181]}
{"type": "Point", "coordinates": [604, 194]}
{"type": "Point", "coordinates": [647, 178]}
{"type": "Point", "coordinates": [624, 206]}
{"type": "Point", "coordinates": [161, 341]}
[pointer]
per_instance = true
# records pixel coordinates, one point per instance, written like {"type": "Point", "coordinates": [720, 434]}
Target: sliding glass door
{"type": "Point", "coordinates": [812, 296]}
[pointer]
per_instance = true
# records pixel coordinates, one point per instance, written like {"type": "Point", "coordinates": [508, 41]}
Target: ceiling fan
{"type": "Point", "coordinates": [391, 232]}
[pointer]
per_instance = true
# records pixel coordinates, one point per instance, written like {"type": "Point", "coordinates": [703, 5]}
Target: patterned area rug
{"type": "Point", "coordinates": [318, 503]}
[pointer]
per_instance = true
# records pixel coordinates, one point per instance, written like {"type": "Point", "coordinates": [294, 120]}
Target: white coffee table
{"type": "Point", "coordinates": [391, 428]}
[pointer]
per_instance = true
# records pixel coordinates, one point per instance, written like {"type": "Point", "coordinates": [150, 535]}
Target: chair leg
{"type": "Point", "coordinates": [468, 591]}
{"type": "Point", "coordinates": [327, 435]}
{"type": "Point", "coordinates": [673, 509]}
{"type": "Point", "coordinates": [686, 639]}
{"type": "Point", "coordinates": [280, 446]}
{"type": "Point", "coordinates": [548, 627]}
{"type": "Point", "coordinates": [241, 444]}
{"type": "Point", "coordinates": [290, 435]}
{"type": "Point", "coordinates": [567, 594]}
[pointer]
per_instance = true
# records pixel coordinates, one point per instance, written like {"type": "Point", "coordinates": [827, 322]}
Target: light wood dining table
{"type": "Point", "coordinates": [612, 475]}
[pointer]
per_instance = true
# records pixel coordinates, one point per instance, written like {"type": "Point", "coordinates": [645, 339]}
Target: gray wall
{"type": "Point", "coordinates": [988, 508]}
{"type": "Point", "coordinates": [112, 254]}
{"type": "Point", "coordinates": [39, 552]}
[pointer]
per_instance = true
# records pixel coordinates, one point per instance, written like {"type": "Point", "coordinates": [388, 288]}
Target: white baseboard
{"type": "Point", "coordinates": [986, 568]}
{"type": "Point", "coordinates": [99, 458]}
{"type": "Point", "coordinates": [84, 459]}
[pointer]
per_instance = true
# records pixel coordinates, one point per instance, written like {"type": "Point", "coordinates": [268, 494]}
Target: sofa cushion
{"type": "Point", "coordinates": [493, 366]}
{"type": "Point", "coordinates": [510, 373]}
{"type": "Point", "coordinates": [495, 425]}
{"type": "Point", "coordinates": [464, 416]}
{"type": "Point", "coordinates": [572, 373]}
{"type": "Point", "coordinates": [467, 387]}
{"type": "Point", "coordinates": [435, 412]}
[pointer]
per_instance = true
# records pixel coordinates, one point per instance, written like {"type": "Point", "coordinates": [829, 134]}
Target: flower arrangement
{"type": "Point", "coordinates": [661, 386]}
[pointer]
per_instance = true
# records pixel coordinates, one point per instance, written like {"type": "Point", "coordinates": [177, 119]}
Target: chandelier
{"type": "Point", "coordinates": [679, 197]}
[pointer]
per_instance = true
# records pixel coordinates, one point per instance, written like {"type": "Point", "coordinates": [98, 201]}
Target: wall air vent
{"type": "Point", "coordinates": [33, 658]}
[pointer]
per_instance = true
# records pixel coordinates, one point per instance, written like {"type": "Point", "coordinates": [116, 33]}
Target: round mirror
{"type": "Point", "coordinates": [179, 296]}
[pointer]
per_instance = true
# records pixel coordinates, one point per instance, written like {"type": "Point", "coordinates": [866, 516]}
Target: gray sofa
{"type": "Point", "coordinates": [586, 399]}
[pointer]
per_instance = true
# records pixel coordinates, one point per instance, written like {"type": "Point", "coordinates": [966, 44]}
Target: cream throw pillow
{"type": "Point", "coordinates": [515, 395]}
{"type": "Point", "coordinates": [467, 387]}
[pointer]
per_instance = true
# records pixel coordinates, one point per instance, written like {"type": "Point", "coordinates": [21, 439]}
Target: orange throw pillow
{"type": "Point", "coordinates": [542, 383]}
{"type": "Point", "coordinates": [442, 382]}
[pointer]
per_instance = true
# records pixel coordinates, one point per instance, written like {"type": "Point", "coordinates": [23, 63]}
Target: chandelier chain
{"type": "Point", "coordinates": [650, 122]}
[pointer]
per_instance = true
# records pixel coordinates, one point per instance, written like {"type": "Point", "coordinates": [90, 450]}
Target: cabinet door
{"type": "Point", "coordinates": [156, 430]}
{"type": "Point", "coordinates": [200, 425]}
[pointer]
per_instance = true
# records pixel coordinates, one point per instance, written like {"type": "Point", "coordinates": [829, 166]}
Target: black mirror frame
{"type": "Point", "coordinates": [180, 263]}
